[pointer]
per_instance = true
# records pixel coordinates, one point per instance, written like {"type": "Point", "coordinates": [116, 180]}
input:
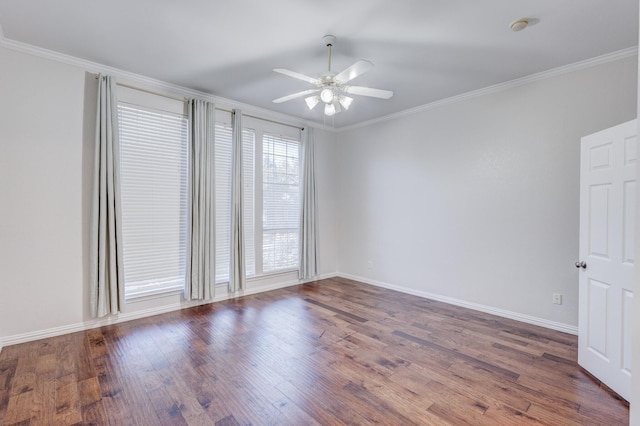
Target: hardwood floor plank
{"type": "Point", "coordinates": [227, 421]}
{"type": "Point", "coordinates": [332, 352]}
{"type": "Point", "coordinates": [243, 397]}
{"type": "Point", "coordinates": [166, 409]}
{"type": "Point", "coordinates": [94, 414]}
{"type": "Point", "coordinates": [113, 400]}
{"type": "Point", "coordinates": [7, 372]}
{"type": "Point", "coordinates": [506, 415]}
{"type": "Point", "coordinates": [458, 355]}
{"type": "Point", "coordinates": [43, 404]}
{"type": "Point", "coordinates": [67, 400]}
{"type": "Point", "coordinates": [19, 407]}
{"type": "Point", "coordinates": [373, 396]}
{"type": "Point", "coordinates": [324, 398]}
{"type": "Point", "coordinates": [336, 310]}
{"type": "Point", "coordinates": [89, 391]}
{"type": "Point", "coordinates": [474, 387]}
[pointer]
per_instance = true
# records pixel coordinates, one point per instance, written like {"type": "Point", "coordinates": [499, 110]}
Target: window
{"type": "Point", "coordinates": [154, 150]}
{"type": "Point", "coordinates": [271, 197]}
{"type": "Point", "coordinates": [154, 171]}
{"type": "Point", "coordinates": [281, 203]}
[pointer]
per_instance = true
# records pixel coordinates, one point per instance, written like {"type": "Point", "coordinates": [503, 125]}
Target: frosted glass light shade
{"type": "Point", "coordinates": [329, 110]}
{"type": "Point", "coordinates": [312, 101]}
{"type": "Point", "coordinates": [345, 101]}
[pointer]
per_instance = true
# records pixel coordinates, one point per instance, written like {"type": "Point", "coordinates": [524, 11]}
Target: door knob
{"type": "Point", "coordinates": [582, 265]}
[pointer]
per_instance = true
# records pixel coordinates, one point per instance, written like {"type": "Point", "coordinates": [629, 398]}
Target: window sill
{"type": "Point", "coordinates": [153, 294]}
{"type": "Point", "coordinates": [260, 277]}
{"type": "Point", "coordinates": [164, 292]}
{"type": "Point", "coordinates": [272, 274]}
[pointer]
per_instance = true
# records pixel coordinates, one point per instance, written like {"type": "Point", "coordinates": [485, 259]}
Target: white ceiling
{"type": "Point", "coordinates": [424, 50]}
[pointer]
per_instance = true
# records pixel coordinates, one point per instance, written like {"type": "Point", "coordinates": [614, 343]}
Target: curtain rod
{"type": "Point", "coordinates": [217, 109]}
{"type": "Point", "coordinates": [263, 119]}
{"type": "Point", "coordinates": [175, 98]}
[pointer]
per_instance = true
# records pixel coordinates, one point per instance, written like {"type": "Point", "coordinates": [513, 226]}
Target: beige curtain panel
{"type": "Point", "coordinates": [106, 274]}
{"type": "Point", "coordinates": [201, 278]}
{"type": "Point", "coordinates": [237, 261]}
{"type": "Point", "coordinates": [308, 210]}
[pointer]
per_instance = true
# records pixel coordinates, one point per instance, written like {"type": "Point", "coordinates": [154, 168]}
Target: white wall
{"type": "Point", "coordinates": [41, 182]}
{"type": "Point", "coordinates": [46, 158]}
{"type": "Point", "coordinates": [478, 200]}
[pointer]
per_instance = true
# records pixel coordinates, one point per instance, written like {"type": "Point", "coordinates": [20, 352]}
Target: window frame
{"type": "Point", "coordinates": [260, 127]}
{"type": "Point", "coordinates": [157, 103]}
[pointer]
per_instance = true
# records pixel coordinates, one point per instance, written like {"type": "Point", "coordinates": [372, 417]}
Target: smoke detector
{"type": "Point", "coordinates": [519, 24]}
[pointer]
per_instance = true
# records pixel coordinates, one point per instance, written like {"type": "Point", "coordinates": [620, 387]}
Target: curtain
{"type": "Point", "coordinates": [106, 274]}
{"type": "Point", "coordinates": [201, 280]}
{"type": "Point", "coordinates": [236, 264]}
{"type": "Point", "coordinates": [308, 210]}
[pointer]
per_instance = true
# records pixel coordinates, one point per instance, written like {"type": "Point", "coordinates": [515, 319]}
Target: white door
{"type": "Point", "coordinates": [607, 206]}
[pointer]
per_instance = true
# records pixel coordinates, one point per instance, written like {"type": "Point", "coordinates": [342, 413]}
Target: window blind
{"type": "Point", "coordinates": [223, 200]}
{"type": "Point", "coordinates": [281, 202]}
{"type": "Point", "coordinates": [248, 165]}
{"type": "Point", "coordinates": [154, 173]}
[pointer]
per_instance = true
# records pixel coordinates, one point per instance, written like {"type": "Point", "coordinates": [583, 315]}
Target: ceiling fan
{"type": "Point", "coordinates": [331, 88]}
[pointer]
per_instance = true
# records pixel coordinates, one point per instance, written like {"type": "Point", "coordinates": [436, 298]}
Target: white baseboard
{"type": "Point", "coordinates": [566, 328]}
{"type": "Point", "coordinates": [114, 319]}
{"type": "Point", "coordinates": [129, 316]}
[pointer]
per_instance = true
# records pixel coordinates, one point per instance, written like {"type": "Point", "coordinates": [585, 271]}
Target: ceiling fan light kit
{"type": "Point", "coordinates": [331, 88]}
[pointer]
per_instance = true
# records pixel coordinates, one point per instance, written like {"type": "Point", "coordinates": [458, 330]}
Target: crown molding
{"type": "Point", "coordinates": [154, 84]}
{"type": "Point", "coordinates": [577, 66]}
{"type": "Point", "coordinates": [172, 89]}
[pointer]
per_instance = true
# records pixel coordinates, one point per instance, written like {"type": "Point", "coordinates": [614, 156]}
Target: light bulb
{"type": "Point", "coordinates": [327, 96]}
{"type": "Point", "coordinates": [345, 101]}
{"type": "Point", "coordinates": [312, 101]}
{"type": "Point", "coordinates": [329, 110]}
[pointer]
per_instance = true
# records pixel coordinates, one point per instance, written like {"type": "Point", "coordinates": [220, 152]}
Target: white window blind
{"type": "Point", "coordinates": [223, 200]}
{"type": "Point", "coordinates": [248, 164]}
{"type": "Point", "coordinates": [154, 173]}
{"type": "Point", "coordinates": [281, 202]}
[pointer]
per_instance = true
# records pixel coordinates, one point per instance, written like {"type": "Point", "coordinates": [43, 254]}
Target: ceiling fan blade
{"type": "Point", "coordinates": [367, 91]}
{"type": "Point", "coordinates": [297, 75]}
{"type": "Point", "coordinates": [295, 95]}
{"type": "Point", "coordinates": [354, 70]}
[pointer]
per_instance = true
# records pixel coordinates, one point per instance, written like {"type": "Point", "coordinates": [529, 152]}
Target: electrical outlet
{"type": "Point", "coordinates": [369, 264]}
{"type": "Point", "coordinates": [557, 299]}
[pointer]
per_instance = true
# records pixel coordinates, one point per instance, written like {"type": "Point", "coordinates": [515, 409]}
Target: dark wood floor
{"type": "Point", "coordinates": [332, 352]}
